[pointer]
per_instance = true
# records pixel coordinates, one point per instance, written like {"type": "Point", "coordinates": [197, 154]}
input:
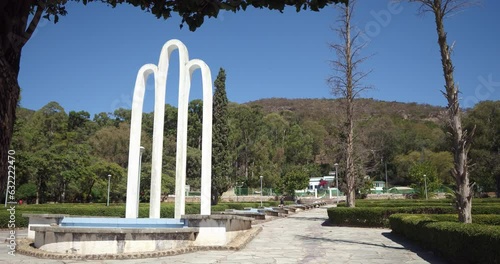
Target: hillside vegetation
{"type": "Point", "coordinates": [67, 157]}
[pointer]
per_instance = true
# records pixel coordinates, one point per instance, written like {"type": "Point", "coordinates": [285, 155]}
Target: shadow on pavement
{"type": "Point", "coordinates": [347, 241]}
{"type": "Point", "coordinates": [308, 218]}
{"type": "Point", "coordinates": [405, 243]}
{"type": "Point", "coordinates": [421, 252]}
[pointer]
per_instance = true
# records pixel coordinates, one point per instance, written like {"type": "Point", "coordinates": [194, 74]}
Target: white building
{"type": "Point", "coordinates": [314, 183]}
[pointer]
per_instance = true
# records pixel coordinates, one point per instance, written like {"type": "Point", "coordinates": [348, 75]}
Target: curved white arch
{"type": "Point", "coordinates": [206, 144]}
{"type": "Point", "coordinates": [159, 117]}
{"type": "Point", "coordinates": [133, 177]}
{"type": "Point", "coordinates": [186, 68]}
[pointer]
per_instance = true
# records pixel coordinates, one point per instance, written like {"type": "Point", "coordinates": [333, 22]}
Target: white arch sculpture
{"type": "Point", "coordinates": [186, 69]}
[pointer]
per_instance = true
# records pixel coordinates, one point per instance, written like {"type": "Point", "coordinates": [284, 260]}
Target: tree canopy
{"type": "Point", "coordinates": [66, 157]}
{"type": "Point", "coordinates": [193, 12]}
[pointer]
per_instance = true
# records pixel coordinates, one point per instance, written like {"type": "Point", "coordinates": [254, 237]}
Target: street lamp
{"type": "Point", "coordinates": [109, 184]}
{"type": "Point", "coordinates": [261, 177]}
{"type": "Point", "coordinates": [337, 180]}
{"type": "Point", "coordinates": [425, 182]}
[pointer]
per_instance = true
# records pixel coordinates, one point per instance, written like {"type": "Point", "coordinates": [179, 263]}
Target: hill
{"type": "Point", "coordinates": [316, 109]}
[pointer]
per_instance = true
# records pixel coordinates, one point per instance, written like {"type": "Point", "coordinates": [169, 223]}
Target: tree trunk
{"type": "Point", "coordinates": [37, 201]}
{"type": "Point", "coordinates": [350, 174]}
{"type": "Point", "coordinates": [498, 186]}
{"type": "Point", "coordinates": [9, 96]}
{"type": "Point", "coordinates": [461, 140]}
{"type": "Point", "coordinates": [215, 197]}
{"type": "Point", "coordinates": [13, 36]}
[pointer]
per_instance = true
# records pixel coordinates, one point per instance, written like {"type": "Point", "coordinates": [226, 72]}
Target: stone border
{"type": "Point", "coordinates": [24, 247]}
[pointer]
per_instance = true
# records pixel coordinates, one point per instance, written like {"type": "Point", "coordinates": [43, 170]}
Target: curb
{"type": "Point", "coordinates": [25, 248]}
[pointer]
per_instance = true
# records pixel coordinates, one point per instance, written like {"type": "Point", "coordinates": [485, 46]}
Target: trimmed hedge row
{"type": "Point", "coordinates": [483, 219]}
{"type": "Point", "coordinates": [433, 202]}
{"type": "Point", "coordinates": [379, 216]}
{"type": "Point", "coordinates": [114, 210]}
{"type": "Point", "coordinates": [459, 243]}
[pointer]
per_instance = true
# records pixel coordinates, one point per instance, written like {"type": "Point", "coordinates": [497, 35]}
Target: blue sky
{"type": "Point", "coordinates": [89, 60]}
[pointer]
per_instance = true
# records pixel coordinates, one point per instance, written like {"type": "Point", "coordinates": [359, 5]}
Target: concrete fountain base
{"type": "Point", "coordinates": [200, 232]}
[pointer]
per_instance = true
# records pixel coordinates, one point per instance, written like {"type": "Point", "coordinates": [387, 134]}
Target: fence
{"type": "Point", "coordinates": [321, 193]}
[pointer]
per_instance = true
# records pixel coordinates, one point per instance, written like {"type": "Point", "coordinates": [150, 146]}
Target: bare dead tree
{"type": "Point", "coordinates": [346, 84]}
{"type": "Point", "coordinates": [461, 138]}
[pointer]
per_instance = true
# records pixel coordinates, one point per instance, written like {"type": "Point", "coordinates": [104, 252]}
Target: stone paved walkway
{"type": "Point", "coordinates": [299, 238]}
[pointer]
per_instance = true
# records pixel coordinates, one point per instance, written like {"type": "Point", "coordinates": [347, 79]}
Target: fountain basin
{"type": "Point", "coordinates": [122, 222]}
{"type": "Point", "coordinates": [104, 236]}
{"type": "Point", "coordinates": [86, 240]}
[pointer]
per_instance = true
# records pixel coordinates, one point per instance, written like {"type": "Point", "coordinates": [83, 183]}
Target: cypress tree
{"type": "Point", "coordinates": [221, 161]}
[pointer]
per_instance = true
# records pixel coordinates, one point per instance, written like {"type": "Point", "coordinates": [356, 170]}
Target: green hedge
{"type": "Point", "coordinates": [411, 202]}
{"type": "Point", "coordinates": [459, 243]}
{"type": "Point", "coordinates": [487, 219]}
{"type": "Point", "coordinates": [379, 216]}
{"type": "Point", "coordinates": [114, 210]}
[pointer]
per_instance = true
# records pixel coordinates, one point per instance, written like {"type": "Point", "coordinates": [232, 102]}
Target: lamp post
{"type": "Point", "coordinates": [337, 180]}
{"type": "Point", "coordinates": [425, 182]}
{"type": "Point", "coordinates": [261, 177]}
{"type": "Point", "coordinates": [109, 184]}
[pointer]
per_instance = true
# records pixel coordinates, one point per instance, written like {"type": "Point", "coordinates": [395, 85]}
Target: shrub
{"type": "Point", "coordinates": [459, 243]}
{"type": "Point", "coordinates": [114, 210]}
{"type": "Point", "coordinates": [379, 216]}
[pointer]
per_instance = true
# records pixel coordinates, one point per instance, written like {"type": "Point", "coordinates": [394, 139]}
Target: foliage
{"type": "Point", "coordinates": [440, 163]}
{"type": "Point", "coordinates": [484, 153]}
{"type": "Point", "coordinates": [26, 192]}
{"type": "Point", "coordinates": [193, 13]}
{"type": "Point", "coordinates": [296, 178]}
{"type": "Point", "coordinates": [195, 118]}
{"type": "Point", "coordinates": [376, 213]}
{"type": "Point", "coordinates": [424, 175]}
{"type": "Point", "coordinates": [472, 243]}
{"type": "Point", "coordinates": [221, 155]}
{"type": "Point", "coordinates": [378, 216]}
{"type": "Point", "coordinates": [68, 162]}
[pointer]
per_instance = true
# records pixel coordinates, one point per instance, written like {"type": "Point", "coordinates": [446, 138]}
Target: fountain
{"type": "Point", "coordinates": [99, 236]}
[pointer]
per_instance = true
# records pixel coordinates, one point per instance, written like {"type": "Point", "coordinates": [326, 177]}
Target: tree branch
{"type": "Point", "coordinates": [34, 23]}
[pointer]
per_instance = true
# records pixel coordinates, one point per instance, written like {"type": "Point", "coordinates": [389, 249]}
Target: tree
{"type": "Point", "coordinates": [26, 192]}
{"type": "Point", "coordinates": [298, 146]}
{"type": "Point", "coordinates": [246, 123]}
{"type": "Point", "coordinates": [16, 29]}
{"type": "Point", "coordinates": [485, 152]}
{"type": "Point", "coordinates": [195, 118]}
{"type": "Point", "coordinates": [347, 84]}
{"type": "Point", "coordinates": [461, 138]}
{"type": "Point", "coordinates": [296, 178]}
{"type": "Point", "coordinates": [424, 175]}
{"type": "Point", "coordinates": [193, 167]}
{"type": "Point", "coordinates": [221, 157]}
{"type": "Point", "coordinates": [111, 144]}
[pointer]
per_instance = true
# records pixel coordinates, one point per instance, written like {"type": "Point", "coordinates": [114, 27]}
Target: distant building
{"type": "Point", "coordinates": [378, 187]}
{"type": "Point", "coordinates": [318, 182]}
{"type": "Point", "coordinates": [314, 183]}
